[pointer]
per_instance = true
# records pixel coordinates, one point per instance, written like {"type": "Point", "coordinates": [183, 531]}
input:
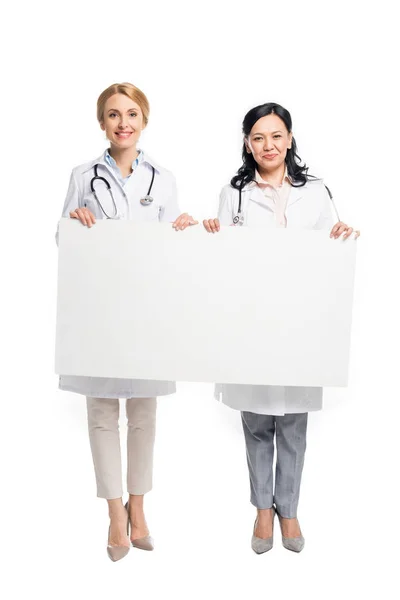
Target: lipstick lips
{"type": "Point", "coordinates": [123, 134]}
{"type": "Point", "coordinates": [269, 156]}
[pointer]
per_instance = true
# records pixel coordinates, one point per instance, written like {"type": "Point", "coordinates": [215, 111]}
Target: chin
{"type": "Point", "coordinates": [125, 143]}
{"type": "Point", "coordinates": [272, 163]}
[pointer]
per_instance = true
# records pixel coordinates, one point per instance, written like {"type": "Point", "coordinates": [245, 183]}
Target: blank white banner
{"type": "Point", "coordinates": [245, 305]}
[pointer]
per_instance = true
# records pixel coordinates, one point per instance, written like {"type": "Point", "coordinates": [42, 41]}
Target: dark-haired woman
{"type": "Point", "coordinates": [276, 191]}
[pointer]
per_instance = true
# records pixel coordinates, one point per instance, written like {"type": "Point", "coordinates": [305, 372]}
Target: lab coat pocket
{"type": "Point", "coordinates": [91, 204]}
{"type": "Point", "coordinates": [150, 212]}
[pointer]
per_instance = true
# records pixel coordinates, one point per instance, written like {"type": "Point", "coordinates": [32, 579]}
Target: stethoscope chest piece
{"type": "Point", "coordinates": [238, 220]}
{"type": "Point", "coordinates": [146, 200]}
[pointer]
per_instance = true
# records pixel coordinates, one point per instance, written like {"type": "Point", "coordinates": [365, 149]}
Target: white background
{"type": "Point", "coordinates": [202, 66]}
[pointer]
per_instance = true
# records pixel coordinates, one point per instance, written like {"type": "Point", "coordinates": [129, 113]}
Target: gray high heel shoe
{"type": "Point", "coordinates": [295, 544]}
{"type": "Point", "coordinates": [117, 552]}
{"type": "Point", "coordinates": [260, 545]}
{"type": "Point", "coordinates": [143, 543]}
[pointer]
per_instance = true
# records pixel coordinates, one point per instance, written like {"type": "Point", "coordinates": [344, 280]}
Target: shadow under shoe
{"type": "Point", "coordinates": [261, 545]}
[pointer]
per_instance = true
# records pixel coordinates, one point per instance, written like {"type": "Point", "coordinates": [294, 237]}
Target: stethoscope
{"type": "Point", "coordinates": [145, 201]}
{"type": "Point", "coordinates": [238, 219]}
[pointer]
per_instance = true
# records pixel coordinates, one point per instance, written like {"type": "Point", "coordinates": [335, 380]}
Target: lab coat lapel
{"type": "Point", "coordinates": [257, 196]}
{"type": "Point", "coordinates": [101, 161]}
{"type": "Point", "coordinates": [295, 194]}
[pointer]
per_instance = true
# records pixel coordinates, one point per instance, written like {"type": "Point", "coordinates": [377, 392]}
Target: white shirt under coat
{"type": "Point", "coordinates": [127, 194]}
{"type": "Point", "coordinates": [307, 207]}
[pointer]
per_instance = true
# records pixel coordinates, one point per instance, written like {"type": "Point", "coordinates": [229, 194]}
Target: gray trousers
{"type": "Point", "coordinates": [290, 431]}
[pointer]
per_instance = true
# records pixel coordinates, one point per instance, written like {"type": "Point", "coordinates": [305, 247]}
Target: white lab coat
{"type": "Point", "coordinates": [164, 208]}
{"type": "Point", "coordinates": [308, 207]}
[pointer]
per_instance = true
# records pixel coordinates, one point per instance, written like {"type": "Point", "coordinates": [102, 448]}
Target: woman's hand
{"type": "Point", "coordinates": [84, 215]}
{"type": "Point", "coordinates": [340, 228]}
{"type": "Point", "coordinates": [211, 225]}
{"type": "Point", "coordinates": [184, 221]}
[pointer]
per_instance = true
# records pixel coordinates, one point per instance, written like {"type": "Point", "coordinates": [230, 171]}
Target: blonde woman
{"type": "Point", "coordinates": [123, 183]}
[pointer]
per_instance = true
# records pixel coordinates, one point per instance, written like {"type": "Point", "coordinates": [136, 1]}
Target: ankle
{"type": "Point", "coordinates": [135, 502]}
{"type": "Point", "coordinates": [136, 510]}
{"type": "Point", "coordinates": [117, 513]}
{"type": "Point", "coordinates": [137, 519]}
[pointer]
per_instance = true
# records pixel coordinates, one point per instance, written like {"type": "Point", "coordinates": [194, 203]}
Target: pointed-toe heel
{"type": "Point", "coordinates": [117, 552]}
{"type": "Point", "coordinates": [143, 543]}
{"type": "Point", "coordinates": [295, 544]}
{"type": "Point", "coordinates": [261, 545]}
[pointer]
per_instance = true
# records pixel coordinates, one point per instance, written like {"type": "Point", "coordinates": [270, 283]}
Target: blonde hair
{"type": "Point", "coordinates": [128, 89]}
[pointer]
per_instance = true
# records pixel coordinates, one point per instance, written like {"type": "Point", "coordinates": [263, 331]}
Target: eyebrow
{"type": "Point", "coordinates": [116, 110]}
{"type": "Point", "coordinates": [278, 131]}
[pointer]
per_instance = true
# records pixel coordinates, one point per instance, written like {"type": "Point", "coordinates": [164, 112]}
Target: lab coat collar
{"type": "Point", "coordinates": [101, 160]}
{"type": "Point", "coordinates": [135, 163]}
{"type": "Point", "coordinates": [151, 162]}
{"type": "Point", "coordinates": [259, 179]}
{"type": "Point", "coordinates": [256, 194]}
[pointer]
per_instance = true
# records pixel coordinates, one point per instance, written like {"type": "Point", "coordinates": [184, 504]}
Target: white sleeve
{"type": "Point", "coordinates": [325, 220]}
{"type": "Point", "coordinates": [225, 214]}
{"type": "Point", "coordinates": [71, 201]}
{"type": "Point", "coordinates": [170, 211]}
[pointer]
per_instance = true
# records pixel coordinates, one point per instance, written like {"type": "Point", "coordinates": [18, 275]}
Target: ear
{"type": "Point", "coordinates": [290, 140]}
{"type": "Point", "coordinates": [247, 146]}
{"type": "Point", "coordinates": [102, 126]}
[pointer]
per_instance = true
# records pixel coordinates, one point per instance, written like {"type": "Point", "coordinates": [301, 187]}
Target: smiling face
{"type": "Point", "coordinates": [269, 141]}
{"type": "Point", "coordinates": [122, 121]}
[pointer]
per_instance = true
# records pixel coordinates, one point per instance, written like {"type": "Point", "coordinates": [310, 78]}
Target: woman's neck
{"type": "Point", "coordinates": [124, 158]}
{"type": "Point", "coordinates": [274, 176]}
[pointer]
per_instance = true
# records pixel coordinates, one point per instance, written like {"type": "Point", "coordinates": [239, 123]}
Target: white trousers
{"type": "Point", "coordinates": [103, 416]}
